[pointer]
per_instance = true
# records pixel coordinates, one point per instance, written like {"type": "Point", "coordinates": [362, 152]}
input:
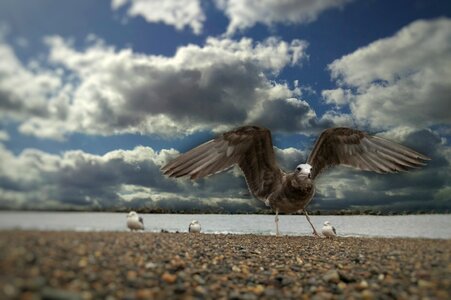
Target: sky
{"type": "Point", "coordinates": [96, 96]}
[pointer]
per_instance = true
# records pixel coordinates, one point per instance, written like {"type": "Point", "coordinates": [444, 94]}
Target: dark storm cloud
{"type": "Point", "coordinates": [226, 91]}
{"type": "Point", "coordinates": [90, 173]}
{"type": "Point", "coordinates": [344, 188]}
{"type": "Point", "coordinates": [78, 178]}
{"type": "Point", "coordinates": [117, 179]}
{"type": "Point", "coordinates": [286, 115]}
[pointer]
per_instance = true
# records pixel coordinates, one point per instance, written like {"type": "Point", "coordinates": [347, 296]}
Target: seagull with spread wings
{"type": "Point", "coordinates": [251, 148]}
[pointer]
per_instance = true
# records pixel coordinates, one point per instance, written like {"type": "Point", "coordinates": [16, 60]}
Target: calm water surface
{"type": "Point", "coordinates": [426, 226]}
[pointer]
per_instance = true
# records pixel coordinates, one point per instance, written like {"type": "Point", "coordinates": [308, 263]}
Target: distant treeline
{"type": "Point", "coordinates": [270, 212]}
{"type": "Point", "coordinates": [313, 212]}
{"type": "Point", "coordinates": [258, 211]}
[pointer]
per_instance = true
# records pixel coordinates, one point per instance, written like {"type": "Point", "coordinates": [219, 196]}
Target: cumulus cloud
{"type": "Point", "coordinates": [289, 158]}
{"type": "Point", "coordinates": [332, 118]}
{"type": "Point", "coordinates": [242, 13]}
{"type": "Point", "coordinates": [337, 97]}
{"type": "Point", "coordinates": [180, 14]}
{"type": "Point", "coordinates": [105, 91]}
{"type": "Point", "coordinates": [246, 13]}
{"type": "Point", "coordinates": [24, 91]}
{"type": "Point", "coordinates": [403, 80]}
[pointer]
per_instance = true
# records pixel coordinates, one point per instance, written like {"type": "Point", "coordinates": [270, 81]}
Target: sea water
{"type": "Point", "coordinates": [424, 226]}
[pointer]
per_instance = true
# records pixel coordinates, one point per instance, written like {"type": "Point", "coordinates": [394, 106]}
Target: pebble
{"type": "Point", "coordinates": [169, 278]}
{"type": "Point", "coordinates": [367, 295]}
{"type": "Point", "coordinates": [258, 289]}
{"type": "Point", "coordinates": [332, 276]}
{"type": "Point", "coordinates": [9, 290]}
{"type": "Point", "coordinates": [425, 284]}
{"type": "Point", "coordinates": [362, 285]}
{"type": "Point", "coordinates": [198, 279]}
{"type": "Point", "coordinates": [236, 269]}
{"type": "Point", "coordinates": [342, 285]}
{"type": "Point", "coordinates": [132, 275]}
{"type": "Point", "coordinates": [150, 265]}
{"type": "Point", "coordinates": [200, 290]}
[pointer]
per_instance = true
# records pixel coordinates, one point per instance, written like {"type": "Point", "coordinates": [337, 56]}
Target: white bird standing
{"type": "Point", "coordinates": [328, 230]}
{"type": "Point", "coordinates": [251, 148]}
{"type": "Point", "coordinates": [134, 221]}
{"type": "Point", "coordinates": [194, 226]}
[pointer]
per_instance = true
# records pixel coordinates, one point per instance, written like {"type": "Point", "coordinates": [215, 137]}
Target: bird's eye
{"type": "Point", "coordinates": [298, 168]}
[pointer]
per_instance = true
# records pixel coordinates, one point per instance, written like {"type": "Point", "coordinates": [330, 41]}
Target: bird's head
{"type": "Point", "coordinates": [304, 170]}
{"type": "Point", "coordinates": [327, 223]}
{"type": "Point", "coordinates": [132, 214]}
{"type": "Point", "coordinates": [194, 222]}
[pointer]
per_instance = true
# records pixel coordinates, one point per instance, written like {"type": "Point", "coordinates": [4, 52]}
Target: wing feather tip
{"type": "Point", "coordinates": [424, 157]}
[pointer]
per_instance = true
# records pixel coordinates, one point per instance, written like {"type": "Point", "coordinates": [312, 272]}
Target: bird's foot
{"type": "Point", "coordinates": [315, 234]}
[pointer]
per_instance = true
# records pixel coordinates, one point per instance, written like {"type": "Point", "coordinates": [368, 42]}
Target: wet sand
{"type": "Point", "coordinates": [133, 265]}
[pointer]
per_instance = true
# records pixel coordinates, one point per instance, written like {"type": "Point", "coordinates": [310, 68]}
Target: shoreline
{"type": "Point", "coordinates": [129, 265]}
{"type": "Point", "coordinates": [262, 234]}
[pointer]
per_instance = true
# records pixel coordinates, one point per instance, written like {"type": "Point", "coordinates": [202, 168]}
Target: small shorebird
{"type": "Point", "coordinates": [134, 222]}
{"type": "Point", "coordinates": [194, 226]}
{"type": "Point", "coordinates": [251, 148]}
{"type": "Point", "coordinates": [328, 230]}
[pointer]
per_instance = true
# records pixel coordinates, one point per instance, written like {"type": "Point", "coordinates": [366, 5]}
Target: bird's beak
{"type": "Point", "coordinates": [309, 175]}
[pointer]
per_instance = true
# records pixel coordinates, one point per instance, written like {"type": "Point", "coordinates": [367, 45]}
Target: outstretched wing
{"type": "Point", "coordinates": [250, 147]}
{"type": "Point", "coordinates": [355, 148]}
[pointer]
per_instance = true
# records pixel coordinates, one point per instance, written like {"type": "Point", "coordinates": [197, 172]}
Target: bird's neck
{"type": "Point", "coordinates": [296, 181]}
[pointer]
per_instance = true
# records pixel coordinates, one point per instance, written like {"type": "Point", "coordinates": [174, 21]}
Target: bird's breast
{"type": "Point", "coordinates": [293, 196]}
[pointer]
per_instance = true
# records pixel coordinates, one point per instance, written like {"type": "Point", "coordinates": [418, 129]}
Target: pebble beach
{"type": "Point", "coordinates": [143, 265]}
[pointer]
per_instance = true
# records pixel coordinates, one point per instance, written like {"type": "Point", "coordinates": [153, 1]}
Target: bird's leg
{"type": "Point", "coordinates": [315, 233]}
{"type": "Point", "coordinates": [277, 222]}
